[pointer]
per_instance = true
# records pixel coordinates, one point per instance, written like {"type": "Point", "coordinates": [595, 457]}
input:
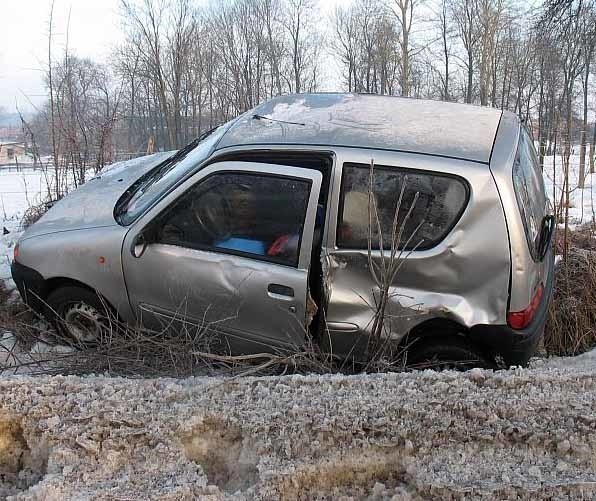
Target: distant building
{"type": "Point", "coordinates": [12, 153]}
{"type": "Point", "coordinates": [9, 133]}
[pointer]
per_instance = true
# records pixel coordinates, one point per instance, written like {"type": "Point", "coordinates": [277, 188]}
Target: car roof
{"type": "Point", "coordinates": [369, 121]}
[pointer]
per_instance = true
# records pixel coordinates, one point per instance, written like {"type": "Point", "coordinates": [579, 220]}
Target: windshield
{"type": "Point", "coordinates": [148, 189]}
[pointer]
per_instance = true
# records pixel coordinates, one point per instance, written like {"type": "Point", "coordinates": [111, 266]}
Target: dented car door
{"type": "Point", "coordinates": [226, 255]}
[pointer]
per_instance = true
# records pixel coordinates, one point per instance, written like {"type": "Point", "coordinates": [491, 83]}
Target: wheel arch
{"type": "Point", "coordinates": [433, 328]}
{"type": "Point", "coordinates": [53, 284]}
{"type": "Point", "coordinates": [438, 326]}
{"type": "Point", "coordinates": [441, 333]}
{"type": "Point", "coordinates": [437, 330]}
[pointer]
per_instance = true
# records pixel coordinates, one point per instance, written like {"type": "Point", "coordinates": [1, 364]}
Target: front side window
{"type": "Point", "coordinates": [438, 201]}
{"type": "Point", "coordinates": [256, 215]}
{"type": "Point", "coordinates": [529, 191]}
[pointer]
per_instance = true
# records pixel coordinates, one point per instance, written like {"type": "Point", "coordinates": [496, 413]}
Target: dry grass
{"type": "Point", "coordinates": [583, 237]}
{"type": "Point", "coordinates": [34, 213]}
{"type": "Point", "coordinates": [194, 350]}
{"type": "Point", "coordinates": [131, 351]}
{"type": "Point", "coordinates": [4, 294]}
{"type": "Point", "coordinates": [9, 310]}
{"type": "Point", "coordinates": [571, 323]}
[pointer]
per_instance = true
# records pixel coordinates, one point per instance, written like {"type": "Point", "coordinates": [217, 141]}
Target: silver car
{"type": "Point", "coordinates": [260, 229]}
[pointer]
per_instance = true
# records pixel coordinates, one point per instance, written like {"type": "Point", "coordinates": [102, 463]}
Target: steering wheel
{"type": "Point", "coordinates": [212, 211]}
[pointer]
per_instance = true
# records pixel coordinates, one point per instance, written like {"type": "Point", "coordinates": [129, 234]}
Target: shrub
{"type": "Point", "coordinates": [34, 213]}
{"type": "Point", "coordinates": [571, 323]}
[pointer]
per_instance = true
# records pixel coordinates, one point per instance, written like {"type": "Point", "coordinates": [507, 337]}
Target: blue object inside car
{"type": "Point", "coordinates": [243, 245]}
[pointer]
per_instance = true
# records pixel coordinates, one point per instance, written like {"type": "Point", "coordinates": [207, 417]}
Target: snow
{"type": "Point", "coordinates": [18, 191]}
{"type": "Point", "coordinates": [520, 434]}
{"type": "Point", "coordinates": [582, 202]}
{"type": "Point", "coordinates": [7, 243]}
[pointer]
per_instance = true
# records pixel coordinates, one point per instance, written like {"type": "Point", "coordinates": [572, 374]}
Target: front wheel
{"type": "Point", "coordinates": [78, 314]}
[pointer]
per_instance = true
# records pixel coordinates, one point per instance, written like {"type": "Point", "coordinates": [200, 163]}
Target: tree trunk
{"type": "Point", "coordinates": [593, 148]}
{"type": "Point", "coordinates": [470, 76]}
{"type": "Point", "coordinates": [584, 131]}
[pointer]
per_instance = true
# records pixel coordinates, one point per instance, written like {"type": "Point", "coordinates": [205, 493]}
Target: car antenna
{"type": "Point", "coordinates": [261, 117]}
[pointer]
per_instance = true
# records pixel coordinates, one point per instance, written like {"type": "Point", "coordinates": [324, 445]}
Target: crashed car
{"type": "Point", "coordinates": [260, 231]}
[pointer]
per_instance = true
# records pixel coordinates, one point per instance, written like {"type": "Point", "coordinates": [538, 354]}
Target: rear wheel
{"type": "Point", "coordinates": [446, 353]}
{"type": "Point", "coordinates": [78, 314]}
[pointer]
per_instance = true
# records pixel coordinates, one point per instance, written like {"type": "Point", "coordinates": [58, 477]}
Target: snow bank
{"type": "Point", "coordinates": [7, 243]}
{"type": "Point", "coordinates": [18, 191]}
{"type": "Point", "coordinates": [524, 433]}
{"type": "Point", "coordinates": [582, 202]}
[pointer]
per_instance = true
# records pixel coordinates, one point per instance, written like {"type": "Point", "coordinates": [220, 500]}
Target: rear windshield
{"type": "Point", "coordinates": [438, 199]}
{"type": "Point", "coordinates": [529, 191]}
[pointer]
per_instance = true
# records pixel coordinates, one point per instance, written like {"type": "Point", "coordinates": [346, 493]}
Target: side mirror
{"type": "Point", "coordinates": [546, 235]}
{"type": "Point", "coordinates": [142, 240]}
{"type": "Point", "coordinates": [139, 245]}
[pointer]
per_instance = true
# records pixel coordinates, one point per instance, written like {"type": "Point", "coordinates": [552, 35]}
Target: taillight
{"type": "Point", "coordinates": [15, 252]}
{"type": "Point", "coordinates": [521, 319]}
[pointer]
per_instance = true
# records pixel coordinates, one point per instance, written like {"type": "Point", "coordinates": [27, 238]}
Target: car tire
{"type": "Point", "coordinates": [78, 314]}
{"type": "Point", "coordinates": [446, 353]}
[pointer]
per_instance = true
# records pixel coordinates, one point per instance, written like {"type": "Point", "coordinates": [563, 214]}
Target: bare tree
{"type": "Point", "coordinates": [161, 34]}
{"type": "Point", "coordinates": [404, 13]}
{"type": "Point", "coordinates": [489, 23]}
{"type": "Point", "coordinates": [367, 42]}
{"type": "Point", "coordinates": [588, 40]}
{"type": "Point", "coordinates": [55, 150]}
{"type": "Point", "coordinates": [465, 13]}
{"type": "Point", "coordinates": [446, 34]}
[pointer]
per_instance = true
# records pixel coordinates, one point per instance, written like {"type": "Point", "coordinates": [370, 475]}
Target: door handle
{"type": "Point", "coordinates": [276, 290]}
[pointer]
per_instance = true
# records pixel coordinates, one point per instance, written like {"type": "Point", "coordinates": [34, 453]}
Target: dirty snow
{"type": "Point", "coordinates": [7, 243]}
{"type": "Point", "coordinates": [522, 434]}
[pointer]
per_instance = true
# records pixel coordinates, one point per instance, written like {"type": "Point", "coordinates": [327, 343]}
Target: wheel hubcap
{"type": "Point", "coordinates": [83, 322]}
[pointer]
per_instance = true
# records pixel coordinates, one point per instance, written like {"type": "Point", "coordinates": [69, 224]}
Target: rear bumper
{"type": "Point", "coordinates": [31, 285]}
{"type": "Point", "coordinates": [516, 347]}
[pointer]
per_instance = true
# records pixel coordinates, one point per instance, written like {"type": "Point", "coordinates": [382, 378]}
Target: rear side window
{"type": "Point", "coordinates": [529, 191]}
{"type": "Point", "coordinates": [440, 203]}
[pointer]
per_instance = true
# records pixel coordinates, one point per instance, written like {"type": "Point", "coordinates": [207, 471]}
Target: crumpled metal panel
{"type": "Point", "coordinates": [229, 293]}
{"type": "Point", "coordinates": [465, 278]}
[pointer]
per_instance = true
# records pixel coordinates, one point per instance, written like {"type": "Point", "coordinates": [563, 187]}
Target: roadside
{"type": "Point", "coordinates": [512, 434]}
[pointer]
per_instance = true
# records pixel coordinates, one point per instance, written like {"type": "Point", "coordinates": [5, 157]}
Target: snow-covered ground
{"type": "Point", "coordinates": [18, 191]}
{"type": "Point", "coordinates": [521, 434]}
{"type": "Point", "coordinates": [582, 202]}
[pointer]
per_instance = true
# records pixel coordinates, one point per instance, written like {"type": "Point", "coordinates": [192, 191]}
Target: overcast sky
{"type": "Point", "coordinates": [94, 31]}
